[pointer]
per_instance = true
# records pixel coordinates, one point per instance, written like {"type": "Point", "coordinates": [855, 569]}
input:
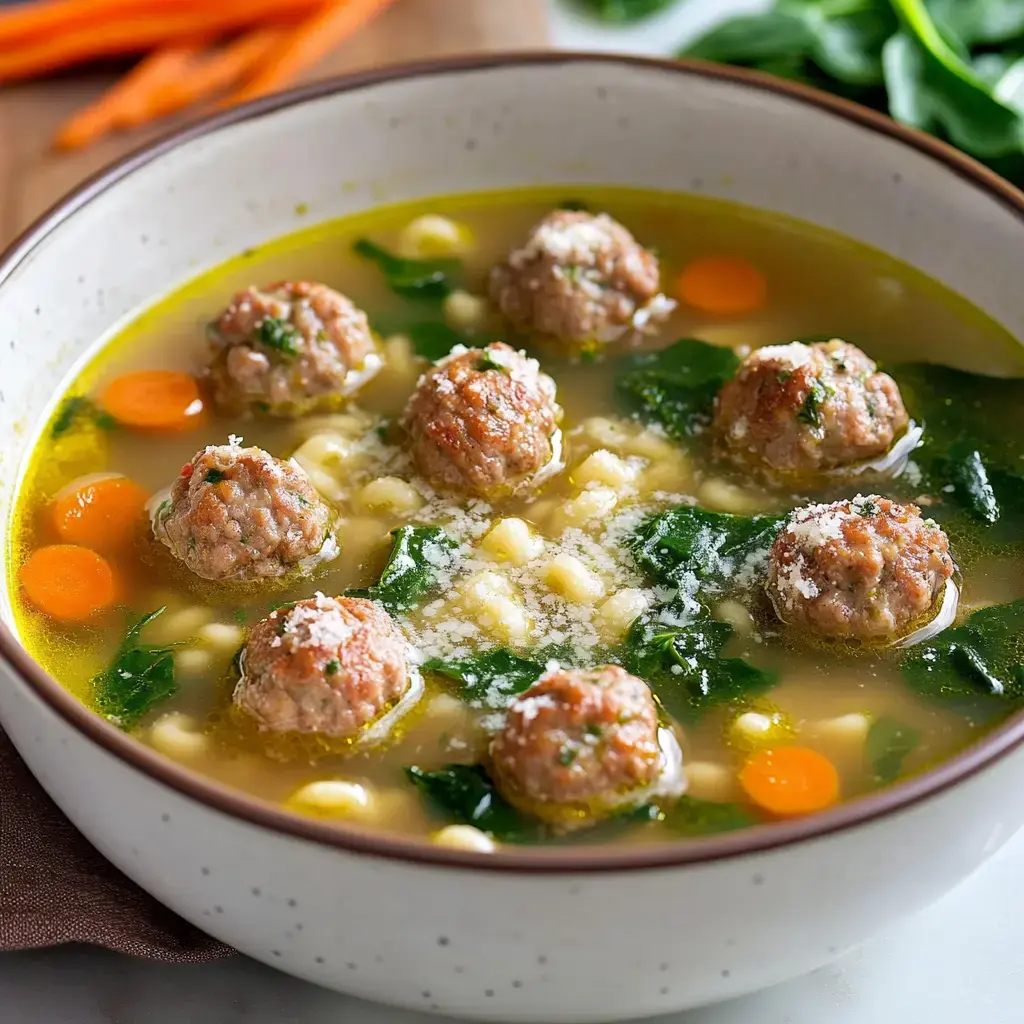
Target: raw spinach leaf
{"type": "Point", "coordinates": [888, 743]}
{"type": "Point", "coordinates": [693, 817]}
{"type": "Point", "coordinates": [76, 409]}
{"type": "Point", "coordinates": [676, 386]}
{"type": "Point", "coordinates": [418, 555]}
{"type": "Point", "coordinates": [971, 22]}
{"type": "Point", "coordinates": [982, 658]}
{"type": "Point", "coordinates": [137, 678]}
{"type": "Point", "coordinates": [489, 679]}
{"type": "Point", "coordinates": [680, 659]}
{"type": "Point", "coordinates": [466, 795]}
{"type": "Point", "coordinates": [427, 280]}
{"type": "Point", "coordinates": [623, 11]}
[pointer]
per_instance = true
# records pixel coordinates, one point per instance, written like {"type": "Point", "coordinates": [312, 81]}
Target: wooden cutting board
{"type": "Point", "coordinates": [32, 177]}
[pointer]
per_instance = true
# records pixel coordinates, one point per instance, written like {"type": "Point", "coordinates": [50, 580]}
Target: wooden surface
{"type": "Point", "coordinates": [32, 177]}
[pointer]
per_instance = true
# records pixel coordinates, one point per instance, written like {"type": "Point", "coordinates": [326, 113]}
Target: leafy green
{"type": "Point", "coordinates": [623, 11]}
{"type": "Point", "coordinates": [137, 678]}
{"type": "Point", "coordinates": [278, 335]}
{"type": "Point", "coordinates": [491, 678]}
{"type": "Point", "coordinates": [679, 657]}
{"type": "Point", "coordinates": [693, 817]}
{"type": "Point", "coordinates": [74, 410]}
{"type": "Point", "coordinates": [418, 555]}
{"type": "Point", "coordinates": [979, 21]}
{"type": "Point", "coordinates": [427, 280]}
{"type": "Point", "coordinates": [810, 411]}
{"type": "Point", "coordinates": [466, 795]}
{"type": "Point", "coordinates": [888, 742]}
{"type": "Point", "coordinates": [434, 340]}
{"type": "Point", "coordinates": [676, 386]}
{"type": "Point", "coordinates": [575, 205]}
{"type": "Point", "coordinates": [984, 657]}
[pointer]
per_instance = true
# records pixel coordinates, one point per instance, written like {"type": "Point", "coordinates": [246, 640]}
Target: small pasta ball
{"type": "Point", "coordinates": [464, 311]}
{"type": "Point", "coordinates": [401, 359]}
{"type": "Point", "coordinates": [604, 467]}
{"type": "Point", "coordinates": [567, 575]}
{"type": "Point", "coordinates": [434, 235]}
{"type": "Point", "coordinates": [672, 473]}
{"type": "Point", "coordinates": [505, 618]}
{"type": "Point", "coordinates": [650, 444]}
{"type": "Point", "coordinates": [351, 424]}
{"type": "Point", "coordinates": [708, 780]}
{"type": "Point", "coordinates": [178, 736]}
{"type": "Point", "coordinates": [486, 584]}
{"type": "Point", "coordinates": [223, 637]}
{"type": "Point", "coordinates": [606, 433]}
{"type": "Point", "coordinates": [177, 626]}
{"type": "Point", "coordinates": [326, 450]}
{"type": "Point", "coordinates": [389, 494]}
{"type": "Point", "coordinates": [736, 615]}
{"type": "Point", "coordinates": [512, 540]}
{"type": "Point", "coordinates": [334, 798]}
{"type": "Point", "coordinates": [192, 661]}
{"type": "Point", "coordinates": [753, 729]}
{"type": "Point", "coordinates": [592, 504]}
{"type": "Point", "coordinates": [845, 730]}
{"type": "Point", "coordinates": [722, 496]}
{"type": "Point", "coordinates": [464, 837]}
{"type": "Point", "coordinates": [618, 613]}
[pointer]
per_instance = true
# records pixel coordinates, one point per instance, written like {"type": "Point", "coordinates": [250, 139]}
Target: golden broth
{"type": "Point", "coordinates": [819, 284]}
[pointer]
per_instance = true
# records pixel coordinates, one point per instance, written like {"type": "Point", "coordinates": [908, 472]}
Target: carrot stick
{"type": "Point", "coordinates": [154, 400]}
{"type": "Point", "coordinates": [117, 107]}
{"type": "Point", "coordinates": [218, 72]}
{"type": "Point", "coordinates": [103, 513]}
{"type": "Point", "coordinates": [68, 582]}
{"type": "Point", "coordinates": [97, 38]}
{"type": "Point", "coordinates": [311, 41]}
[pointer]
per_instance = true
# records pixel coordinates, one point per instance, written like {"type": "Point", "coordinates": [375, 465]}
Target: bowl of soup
{"type": "Point", "coordinates": [530, 538]}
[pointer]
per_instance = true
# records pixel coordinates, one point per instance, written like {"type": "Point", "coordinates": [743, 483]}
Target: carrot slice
{"type": "Point", "coordinates": [154, 400]}
{"type": "Point", "coordinates": [722, 285]}
{"type": "Point", "coordinates": [218, 72]}
{"type": "Point", "coordinates": [68, 582]}
{"type": "Point", "coordinates": [788, 781]}
{"type": "Point", "coordinates": [311, 41]}
{"type": "Point", "coordinates": [102, 513]}
{"type": "Point", "coordinates": [123, 105]}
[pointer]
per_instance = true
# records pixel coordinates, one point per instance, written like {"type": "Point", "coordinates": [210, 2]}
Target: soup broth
{"type": "Point", "coordinates": [495, 595]}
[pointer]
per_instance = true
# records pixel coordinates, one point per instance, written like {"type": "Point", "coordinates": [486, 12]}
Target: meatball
{"type": "Point", "coordinates": [329, 665]}
{"type": "Point", "coordinates": [485, 422]}
{"type": "Point", "coordinates": [289, 348]}
{"type": "Point", "coordinates": [798, 409]}
{"type": "Point", "coordinates": [579, 743]}
{"type": "Point", "coordinates": [238, 513]}
{"type": "Point", "coordinates": [581, 278]}
{"type": "Point", "coordinates": [864, 569]}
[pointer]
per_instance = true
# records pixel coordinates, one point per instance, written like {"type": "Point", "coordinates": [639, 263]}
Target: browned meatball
{"type": "Point", "coordinates": [798, 409]}
{"type": "Point", "coordinates": [581, 278]}
{"type": "Point", "coordinates": [238, 513]}
{"type": "Point", "coordinates": [579, 743]}
{"type": "Point", "coordinates": [289, 348]}
{"type": "Point", "coordinates": [862, 569]}
{"type": "Point", "coordinates": [485, 422]}
{"type": "Point", "coordinates": [329, 665]}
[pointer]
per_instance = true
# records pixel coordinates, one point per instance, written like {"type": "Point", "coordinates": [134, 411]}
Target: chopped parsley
{"type": "Point", "coordinates": [868, 507]}
{"type": "Point", "coordinates": [566, 756]}
{"type": "Point", "coordinates": [810, 411]}
{"type": "Point", "coordinates": [488, 362]}
{"type": "Point", "coordinates": [783, 375]}
{"type": "Point", "coordinates": [214, 476]}
{"type": "Point", "coordinates": [278, 335]}
{"type": "Point", "coordinates": [77, 408]}
{"type": "Point", "coordinates": [332, 667]}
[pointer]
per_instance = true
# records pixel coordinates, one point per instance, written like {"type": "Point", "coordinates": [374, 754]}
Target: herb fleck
{"type": "Point", "coordinates": [332, 667]}
{"type": "Point", "coordinates": [810, 411]}
{"type": "Point", "coordinates": [214, 476]}
{"type": "Point", "coordinates": [278, 335]}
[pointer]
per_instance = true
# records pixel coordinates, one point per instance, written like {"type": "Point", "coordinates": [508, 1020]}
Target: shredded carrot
{"type": "Point", "coordinates": [216, 73]}
{"type": "Point", "coordinates": [96, 37]}
{"type": "Point", "coordinates": [308, 43]}
{"type": "Point", "coordinates": [788, 781]}
{"type": "Point", "coordinates": [68, 582]}
{"type": "Point", "coordinates": [120, 106]}
{"type": "Point", "coordinates": [154, 400]}
{"type": "Point", "coordinates": [103, 513]}
{"type": "Point", "coordinates": [722, 285]}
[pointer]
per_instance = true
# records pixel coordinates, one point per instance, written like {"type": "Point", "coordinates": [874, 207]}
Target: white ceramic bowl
{"type": "Point", "coordinates": [558, 935]}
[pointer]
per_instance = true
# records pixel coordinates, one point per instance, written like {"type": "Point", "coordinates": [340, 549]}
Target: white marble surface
{"type": "Point", "coordinates": [961, 961]}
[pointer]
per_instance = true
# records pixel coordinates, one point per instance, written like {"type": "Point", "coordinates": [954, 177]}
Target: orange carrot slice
{"type": "Point", "coordinates": [68, 582]}
{"type": "Point", "coordinates": [154, 400]}
{"type": "Point", "coordinates": [103, 513]}
{"type": "Point", "coordinates": [307, 44]}
{"type": "Point", "coordinates": [789, 781]}
{"type": "Point", "coordinates": [722, 286]}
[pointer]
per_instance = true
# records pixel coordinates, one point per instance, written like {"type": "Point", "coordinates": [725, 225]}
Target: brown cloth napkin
{"type": "Point", "coordinates": [55, 888]}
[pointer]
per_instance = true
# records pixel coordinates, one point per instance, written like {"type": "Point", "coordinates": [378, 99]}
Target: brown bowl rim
{"type": "Point", "coordinates": [215, 796]}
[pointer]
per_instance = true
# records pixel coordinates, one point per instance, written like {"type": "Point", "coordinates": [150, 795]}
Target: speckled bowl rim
{"type": "Point", "coordinates": [215, 796]}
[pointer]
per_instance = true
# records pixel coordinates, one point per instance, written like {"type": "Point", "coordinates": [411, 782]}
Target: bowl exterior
{"type": "Point", "coordinates": [562, 945]}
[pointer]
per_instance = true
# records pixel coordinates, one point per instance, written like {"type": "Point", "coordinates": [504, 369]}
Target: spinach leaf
{"type": "Point", "coordinates": [427, 280]}
{"type": "Point", "coordinates": [465, 794]}
{"type": "Point", "coordinates": [688, 544]}
{"type": "Point", "coordinates": [676, 387]}
{"type": "Point", "coordinates": [983, 658]}
{"type": "Point", "coordinates": [888, 743]}
{"type": "Point", "coordinates": [753, 39]}
{"type": "Point", "coordinates": [434, 340]}
{"type": "Point", "coordinates": [137, 678]}
{"type": "Point", "coordinates": [693, 817]}
{"type": "Point", "coordinates": [74, 410]}
{"type": "Point", "coordinates": [278, 335]}
{"type": "Point", "coordinates": [489, 679]}
{"type": "Point", "coordinates": [418, 555]}
{"type": "Point", "coordinates": [680, 659]}
{"type": "Point", "coordinates": [971, 22]}
{"type": "Point", "coordinates": [623, 11]}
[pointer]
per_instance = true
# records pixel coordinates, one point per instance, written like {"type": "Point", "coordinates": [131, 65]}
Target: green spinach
{"type": "Point", "coordinates": [138, 677]}
{"type": "Point", "coordinates": [489, 679]}
{"type": "Point", "coordinates": [425, 280]}
{"type": "Point", "coordinates": [75, 410]}
{"type": "Point", "coordinates": [419, 554]}
{"type": "Point", "coordinates": [676, 387]}
{"type": "Point", "coordinates": [623, 11]}
{"type": "Point", "coordinates": [692, 817]}
{"type": "Point", "coordinates": [888, 742]}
